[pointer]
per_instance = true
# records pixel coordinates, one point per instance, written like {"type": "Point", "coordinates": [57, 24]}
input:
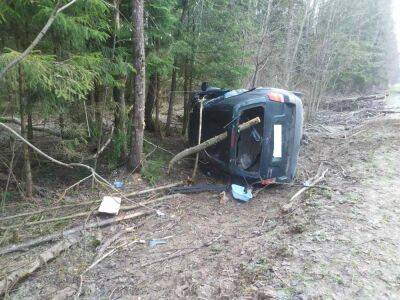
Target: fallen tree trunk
{"type": "Point", "coordinates": [87, 213]}
{"type": "Point", "coordinates": [51, 237]}
{"type": "Point", "coordinates": [12, 279]}
{"type": "Point", "coordinates": [209, 143]}
{"type": "Point", "coordinates": [131, 194]}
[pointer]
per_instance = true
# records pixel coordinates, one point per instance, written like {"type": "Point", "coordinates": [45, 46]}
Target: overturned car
{"type": "Point", "coordinates": [268, 151]}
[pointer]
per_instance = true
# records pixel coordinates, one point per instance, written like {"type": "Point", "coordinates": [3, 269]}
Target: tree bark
{"type": "Point", "coordinates": [150, 101]}
{"type": "Point", "coordinates": [157, 126]}
{"type": "Point", "coordinates": [61, 122]}
{"type": "Point", "coordinates": [30, 124]}
{"type": "Point", "coordinates": [296, 48]}
{"type": "Point", "coordinates": [24, 133]}
{"type": "Point", "coordinates": [120, 119]}
{"type": "Point", "coordinates": [261, 45]}
{"type": "Point", "coordinates": [98, 99]}
{"type": "Point", "coordinates": [185, 97]}
{"type": "Point", "coordinates": [171, 100]}
{"type": "Point", "coordinates": [289, 43]}
{"type": "Point", "coordinates": [184, 4]}
{"type": "Point", "coordinates": [136, 154]}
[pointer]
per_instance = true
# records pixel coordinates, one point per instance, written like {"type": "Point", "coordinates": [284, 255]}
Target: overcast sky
{"type": "Point", "coordinates": [396, 16]}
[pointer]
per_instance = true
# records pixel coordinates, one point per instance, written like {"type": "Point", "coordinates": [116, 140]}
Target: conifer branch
{"type": "Point", "coordinates": [41, 34]}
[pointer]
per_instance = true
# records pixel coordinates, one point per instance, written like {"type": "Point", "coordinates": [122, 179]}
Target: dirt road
{"type": "Point", "coordinates": [342, 242]}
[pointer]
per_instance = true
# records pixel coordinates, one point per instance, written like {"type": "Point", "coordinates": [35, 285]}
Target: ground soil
{"type": "Point", "coordinates": [342, 242]}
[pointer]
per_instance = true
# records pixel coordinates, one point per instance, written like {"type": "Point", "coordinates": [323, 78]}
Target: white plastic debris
{"type": "Point", "coordinates": [110, 205]}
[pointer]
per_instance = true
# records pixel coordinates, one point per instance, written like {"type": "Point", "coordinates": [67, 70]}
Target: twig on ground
{"type": "Point", "coordinates": [180, 253]}
{"type": "Point", "coordinates": [312, 182]}
{"type": "Point", "coordinates": [131, 194]}
{"type": "Point", "coordinates": [88, 213]}
{"type": "Point", "coordinates": [98, 260]}
{"type": "Point", "coordinates": [64, 233]}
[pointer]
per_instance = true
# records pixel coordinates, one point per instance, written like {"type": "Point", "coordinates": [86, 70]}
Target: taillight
{"type": "Point", "coordinates": [276, 97]}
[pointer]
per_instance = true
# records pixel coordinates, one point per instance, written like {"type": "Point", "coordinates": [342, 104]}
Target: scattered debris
{"type": "Point", "coordinates": [223, 199]}
{"type": "Point", "coordinates": [118, 184]}
{"type": "Point", "coordinates": [241, 193]}
{"type": "Point", "coordinates": [110, 205]}
{"type": "Point", "coordinates": [199, 188]}
{"type": "Point", "coordinates": [180, 253]}
{"type": "Point", "coordinates": [143, 204]}
{"type": "Point", "coordinates": [156, 242]}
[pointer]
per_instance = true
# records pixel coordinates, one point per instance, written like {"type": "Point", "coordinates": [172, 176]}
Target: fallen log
{"type": "Point", "coordinates": [87, 213]}
{"type": "Point", "coordinates": [54, 236]}
{"type": "Point", "coordinates": [210, 142]}
{"type": "Point", "coordinates": [12, 279]}
{"type": "Point", "coordinates": [131, 194]}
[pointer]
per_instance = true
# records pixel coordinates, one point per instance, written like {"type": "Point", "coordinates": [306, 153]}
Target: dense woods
{"type": "Point", "coordinates": [112, 67]}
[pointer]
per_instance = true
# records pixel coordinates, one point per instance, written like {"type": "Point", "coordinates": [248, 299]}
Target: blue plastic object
{"type": "Point", "coordinates": [118, 184]}
{"type": "Point", "coordinates": [239, 193]}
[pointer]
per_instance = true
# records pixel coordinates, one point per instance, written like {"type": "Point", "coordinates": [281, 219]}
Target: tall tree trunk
{"type": "Point", "coordinates": [150, 100]}
{"type": "Point", "coordinates": [121, 118]}
{"type": "Point", "coordinates": [296, 47]}
{"type": "Point", "coordinates": [98, 118]}
{"type": "Point", "coordinates": [171, 100]}
{"type": "Point", "coordinates": [186, 99]}
{"type": "Point", "coordinates": [136, 154]}
{"type": "Point", "coordinates": [157, 127]}
{"type": "Point", "coordinates": [171, 97]}
{"type": "Point", "coordinates": [119, 92]}
{"type": "Point", "coordinates": [24, 133]}
{"type": "Point", "coordinates": [264, 36]}
{"type": "Point", "coordinates": [289, 43]}
{"type": "Point", "coordinates": [30, 124]}
{"type": "Point", "coordinates": [61, 122]}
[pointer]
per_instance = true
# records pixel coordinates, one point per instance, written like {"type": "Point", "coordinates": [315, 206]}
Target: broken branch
{"type": "Point", "coordinates": [198, 139]}
{"type": "Point", "coordinates": [12, 279]}
{"type": "Point", "coordinates": [313, 181]}
{"type": "Point", "coordinates": [41, 34]}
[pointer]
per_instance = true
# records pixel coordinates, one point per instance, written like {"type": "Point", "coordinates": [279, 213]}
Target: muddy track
{"type": "Point", "coordinates": [339, 243]}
